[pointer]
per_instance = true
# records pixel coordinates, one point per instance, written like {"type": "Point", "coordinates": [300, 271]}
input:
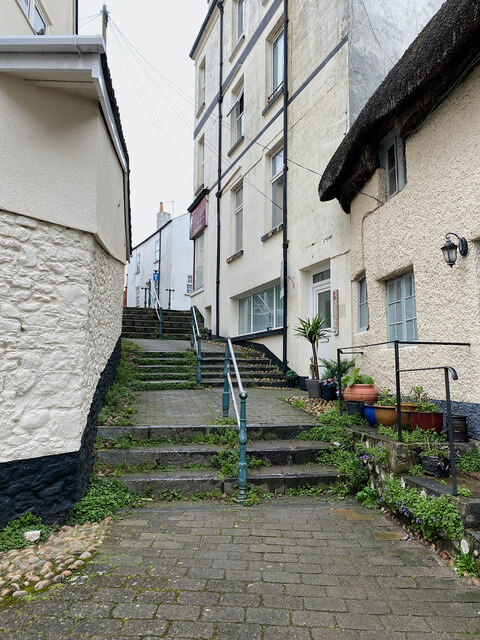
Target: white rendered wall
{"type": "Point", "coordinates": [60, 15]}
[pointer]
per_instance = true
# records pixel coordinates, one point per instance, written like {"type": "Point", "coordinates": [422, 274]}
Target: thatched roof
{"type": "Point", "coordinates": [442, 55]}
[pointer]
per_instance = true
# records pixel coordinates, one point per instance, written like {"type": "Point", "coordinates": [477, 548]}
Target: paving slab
{"type": "Point", "coordinates": [178, 571]}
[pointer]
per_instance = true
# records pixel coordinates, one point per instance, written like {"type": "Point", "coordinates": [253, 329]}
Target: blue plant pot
{"type": "Point", "coordinates": [369, 414]}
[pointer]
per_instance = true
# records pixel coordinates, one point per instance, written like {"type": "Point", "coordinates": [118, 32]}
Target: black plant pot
{"type": "Point", "coordinates": [329, 393]}
{"type": "Point", "coordinates": [313, 388]}
{"type": "Point", "coordinates": [437, 466]}
{"type": "Point", "coordinates": [355, 407]}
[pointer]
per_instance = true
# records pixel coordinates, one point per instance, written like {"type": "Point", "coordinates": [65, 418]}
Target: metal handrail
{"type": "Point", "coordinates": [157, 307]}
{"type": "Point", "coordinates": [228, 392]}
{"type": "Point", "coordinates": [196, 343]}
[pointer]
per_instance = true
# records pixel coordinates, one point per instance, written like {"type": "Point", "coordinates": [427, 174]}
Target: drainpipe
{"type": "Point", "coordinates": [219, 179]}
{"type": "Point", "coordinates": [75, 25]}
{"type": "Point", "coordinates": [285, 190]}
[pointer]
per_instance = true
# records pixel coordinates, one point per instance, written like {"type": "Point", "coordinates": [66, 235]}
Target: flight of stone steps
{"type": "Point", "coordinates": [138, 322]}
{"type": "Point", "coordinates": [180, 459]}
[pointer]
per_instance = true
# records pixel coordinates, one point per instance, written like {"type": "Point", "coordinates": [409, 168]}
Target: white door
{"type": "Point", "coordinates": [321, 299]}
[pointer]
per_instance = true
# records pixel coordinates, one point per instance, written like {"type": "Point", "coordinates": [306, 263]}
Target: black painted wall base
{"type": "Point", "coordinates": [49, 486]}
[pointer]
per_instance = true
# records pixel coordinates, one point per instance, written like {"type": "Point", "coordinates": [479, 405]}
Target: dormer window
{"type": "Point", "coordinates": [392, 159]}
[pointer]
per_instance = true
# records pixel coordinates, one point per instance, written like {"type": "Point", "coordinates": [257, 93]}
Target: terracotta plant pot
{"type": "Point", "coordinates": [387, 416]}
{"type": "Point", "coordinates": [360, 393]}
{"type": "Point", "coordinates": [427, 421]}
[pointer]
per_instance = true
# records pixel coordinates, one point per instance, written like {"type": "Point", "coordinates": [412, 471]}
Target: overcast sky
{"type": "Point", "coordinates": [161, 152]}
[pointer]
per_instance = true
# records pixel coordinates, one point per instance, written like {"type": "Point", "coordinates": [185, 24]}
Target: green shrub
{"type": "Point", "coordinates": [104, 498]}
{"type": "Point", "coordinates": [369, 497]}
{"type": "Point", "coordinates": [470, 461]}
{"type": "Point", "coordinates": [412, 437]}
{"type": "Point", "coordinates": [11, 537]}
{"type": "Point", "coordinates": [466, 563]}
{"type": "Point", "coordinates": [120, 401]}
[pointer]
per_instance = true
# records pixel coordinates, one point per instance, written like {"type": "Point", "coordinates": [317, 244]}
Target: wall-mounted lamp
{"type": "Point", "coordinates": [450, 249]}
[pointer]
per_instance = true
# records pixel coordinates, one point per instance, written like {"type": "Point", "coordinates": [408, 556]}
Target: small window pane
{"type": "Point", "coordinates": [25, 4]}
{"type": "Point", "coordinates": [263, 310]}
{"type": "Point", "coordinates": [277, 63]}
{"type": "Point", "coordinates": [238, 244]}
{"type": "Point", "coordinates": [277, 163]}
{"type": "Point", "coordinates": [245, 315]}
{"type": "Point", "coordinates": [199, 260]}
{"type": "Point", "coordinates": [277, 202]}
{"type": "Point", "coordinates": [319, 277]}
{"type": "Point", "coordinates": [39, 23]}
{"type": "Point", "coordinates": [323, 306]}
{"type": "Point", "coordinates": [279, 307]}
{"type": "Point", "coordinates": [238, 197]}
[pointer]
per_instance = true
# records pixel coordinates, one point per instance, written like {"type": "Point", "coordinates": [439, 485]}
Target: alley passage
{"type": "Point", "coordinates": [294, 569]}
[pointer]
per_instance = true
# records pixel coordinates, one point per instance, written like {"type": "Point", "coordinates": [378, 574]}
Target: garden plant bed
{"type": "Point", "coordinates": [315, 406]}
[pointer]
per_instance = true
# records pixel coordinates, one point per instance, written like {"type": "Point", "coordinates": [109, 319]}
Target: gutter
{"type": "Point", "coordinates": [202, 28]}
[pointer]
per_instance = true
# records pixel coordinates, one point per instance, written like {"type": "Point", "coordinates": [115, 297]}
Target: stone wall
{"type": "Point", "coordinates": [60, 322]}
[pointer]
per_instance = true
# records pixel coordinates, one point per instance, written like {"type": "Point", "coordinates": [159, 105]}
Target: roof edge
{"type": "Point", "coordinates": [52, 44]}
{"type": "Point", "coordinates": [202, 28]}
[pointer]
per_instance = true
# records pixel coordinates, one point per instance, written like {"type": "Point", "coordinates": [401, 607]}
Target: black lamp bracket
{"type": "Point", "coordinates": [462, 243]}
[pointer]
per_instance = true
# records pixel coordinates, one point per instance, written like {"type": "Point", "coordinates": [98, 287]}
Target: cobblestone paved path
{"type": "Point", "coordinates": [291, 569]}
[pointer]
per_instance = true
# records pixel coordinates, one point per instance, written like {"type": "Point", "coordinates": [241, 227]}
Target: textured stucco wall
{"type": "Point", "coordinates": [408, 231]}
{"type": "Point", "coordinates": [379, 32]}
{"type": "Point", "coordinates": [60, 162]}
{"type": "Point", "coordinates": [60, 14]}
{"type": "Point", "coordinates": [60, 318]}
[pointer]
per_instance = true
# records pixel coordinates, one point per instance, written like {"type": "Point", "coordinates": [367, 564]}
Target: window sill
{"type": "Point", "coordinates": [272, 100]}
{"type": "Point", "coordinates": [196, 292]}
{"type": "Point", "coordinates": [237, 47]}
{"type": "Point", "coordinates": [235, 256]}
{"type": "Point", "coordinates": [272, 233]}
{"type": "Point", "coordinates": [200, 109]}
{"type": "Point", "coordinates": [237, 144]}
{"type": "Point", "coordinates": [258, 334]}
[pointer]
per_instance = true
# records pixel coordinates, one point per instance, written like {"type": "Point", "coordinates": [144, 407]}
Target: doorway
{"type": "Point", "coordinates": [321, 303]}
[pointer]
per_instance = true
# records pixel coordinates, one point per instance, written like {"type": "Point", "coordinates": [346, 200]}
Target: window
{"type": "Point", "coordinates": [137, 296]}
{"type": "Point", "coordinates": [157, 250]}
{"type": "Point", "coordinates": [39, 24]}
{"type": "Point", "coordinates": [260, 311]}
{"type": "Point", "coordinates": [236, 113]}
{"type": "Point", "coordinates": [362, 312]}
{"type": "Point", "coordinates": [201, 163]}
{"type": "Point", "coordinates": [277, 190]}
{"type": "Point", "coordinates": [189, 284]}
{"type": "Point", "coordinates": [239, 19]}
{"type": "Point", "coordinates": [401, 308]}
{"type": "Point", "coordinates": [238, 220]}
{"type": "Point", "coordinates": [392, 159]}
{"type": "Point", "coordinates": [36, 16]}
{"type": "Point", "coordinates": [198, 258]}
{"type": "Point", "coordinates": [202, 81]}
{"type": "Point", "coordinates": [137, 263]}
{"type": "Point", "coordinates": [25, 4]}
{"type": "Point", "coordinates": [277, 66]}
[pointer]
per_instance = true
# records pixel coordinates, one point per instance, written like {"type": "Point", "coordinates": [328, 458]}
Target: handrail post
{"type": "Point", "coordinates": [192, 327]}
{"type": "Point", "coordinates": [199, 360]}
{"type": "Point", "coordinates": [226, 386]}
{"type": "Point", "coordinates": [397, 386]}
{"type": "Point", "coordinates": [450, 434]}
{"type": "Point", "coordinates": [242, 439]}
{"type": "Point", "coordinates": [339, 379]}
{"type": "Point", "coordinates": [160, 322]}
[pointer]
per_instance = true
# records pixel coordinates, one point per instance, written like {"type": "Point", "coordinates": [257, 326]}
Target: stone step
{"type": "Point", "coordinates": [158, 385]}
{"type": "Point", "coordinates": [245, 375]}
{"type": "Point", "coordinates": [271, 479]}
{"type": "Point", "coordinates": [247, 382]}
{"type": "Point", "coordinates": [137, 334]}
{"type": "Point", "coordinates": [273, 452]}
{"type": "Point", "coordinates": [165, 377]}
{"type": "Point", "coordinates": [187, 433]}
{"type": "Point", "coordinates": [137, 322]}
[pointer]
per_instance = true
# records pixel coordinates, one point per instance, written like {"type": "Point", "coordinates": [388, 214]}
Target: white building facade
{"type": "Point", "coordinates": [165, 260]}
{"type": "Point", "coordinates": [65, 239]}
{"type": "Point", "coordinates": [278, 84]}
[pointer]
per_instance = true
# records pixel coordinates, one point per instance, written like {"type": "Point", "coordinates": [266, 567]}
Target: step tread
{"type": "Point", "coordinates": [263, 445]}
{"type": "Point", "coordinates": [286, 471]}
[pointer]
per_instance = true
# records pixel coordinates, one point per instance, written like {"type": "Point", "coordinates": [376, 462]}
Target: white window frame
{"type": "Point", "coordinates": [137, 263]}
{"type": "Point", "coordinates": [237, 220]}
{"type": "Point", "coordinates": [362, 303]}
{"type": "Point", "coordinates": [276, 86]}
{"type": "Point", "coordinates": [237, 114]}
{"type": "Point", "coordinates": [157, 251]}
{"type": "Point", "coordinates": [201, 163]}
{"type": "Point", "coordinates": [189, 284]}
{"type": "Point", "coordinates": [392, 159]}
{"type": "Point", "coordinates": [137, 296]}
{"type": "Point", "coordinates": [199, 269]}
{"type": "Point", "coordinates": [30, 8]}
{"type": "Point", "coordinates": [202, 83]}
{"type": "Point", "coordinates": [274, 312]}
{"type": "Point", "coordinates": [239, 19]}
{"type": "Point", "coordinates": [276, 211]}
{"type": "Point", "coordinates": [392, 320]}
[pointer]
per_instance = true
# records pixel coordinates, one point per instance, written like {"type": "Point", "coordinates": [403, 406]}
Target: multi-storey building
{"type": "Point", "coordinates": [278, 84]}
{"type": "Point", "coordinates": [65, 239]}
{"type": "Point", "coordinates": [163, 260]}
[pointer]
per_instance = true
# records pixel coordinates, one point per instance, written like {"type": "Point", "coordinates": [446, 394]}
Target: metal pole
{"type": "Point", "coordinates": [192, 328]}
{"type": "Point", "coordinates": [397, 386]}
{"type": "Point", "coordinates": [242, 439]}
{"type": "Point", "coordinates": [450, 434]}
{"type": "Point", "coordinates": [285, 188]}
{"type": "Point", "coordinates": [226, 386]}
{"type": "Point", "coordinates": [339, 379]}
{"type": "Point", "coordinates": [160, 322]}
{"type": "Point", "coordinates": [199, 360]}
{"type": "Point", "coordinates": [219, 172]}
{"type": "Point", "coordinates": [104, 23]}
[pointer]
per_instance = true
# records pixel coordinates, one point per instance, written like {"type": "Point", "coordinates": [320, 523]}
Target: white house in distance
{"type": "Point", "coordinates": [286, 80]}
{"type": "Point", "coordinates": [164, 258]}
{"type": "Point", "coordinates": [64, 242]}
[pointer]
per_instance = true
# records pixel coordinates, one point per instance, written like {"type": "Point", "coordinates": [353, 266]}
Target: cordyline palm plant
{"type": "Point", "coordinates": [313, 330]}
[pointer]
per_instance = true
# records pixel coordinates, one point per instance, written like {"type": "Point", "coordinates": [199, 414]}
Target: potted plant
{"type": "Point", "coordinates": [329, 389]}
{"type": "Point", "coordinates": [291, 377]}
{"type": "Point", "coordinates": [426, 415]}
{"type": "Point", "coordinates": [313, 330]}
{"type": "Point", "coordinates": [434, 460]}
{"type": "Point", "coordinates": [330, 368]}
{"type": "Point", "coordinates": [386, 408]}
{"type": "Point", "coordinates": [358, 387]}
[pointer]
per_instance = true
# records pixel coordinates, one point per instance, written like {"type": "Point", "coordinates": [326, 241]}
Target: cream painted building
{"type": "Point", "coordinates": [408, 173]}
{"type": "Point", "coordinates": [65, 239]}
{"type": "Point", "coordinates": [290, 89]}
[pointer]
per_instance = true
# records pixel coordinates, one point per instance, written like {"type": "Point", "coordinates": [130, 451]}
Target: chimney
{"type": "Point", "coordinates": [162, 217]}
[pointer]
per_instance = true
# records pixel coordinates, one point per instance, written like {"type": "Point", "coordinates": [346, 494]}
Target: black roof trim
{"type": "Point", "coordinates": [203, 27]}
{"type": "Point", "coordinates": [440, 57]}
{"type": "Point", "coordinates": [152, 234]}
{"type": "Point", "coordinates": [201, 195]}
